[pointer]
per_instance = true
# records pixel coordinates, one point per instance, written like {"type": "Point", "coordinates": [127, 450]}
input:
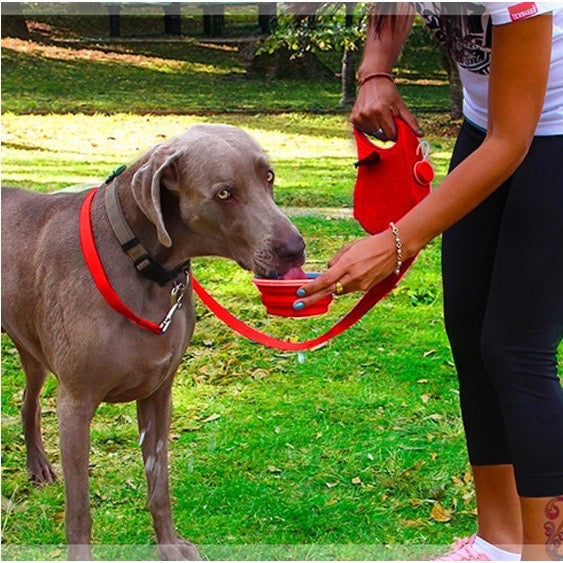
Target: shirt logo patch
{"type": "Point", "coordinates": [522, 11]}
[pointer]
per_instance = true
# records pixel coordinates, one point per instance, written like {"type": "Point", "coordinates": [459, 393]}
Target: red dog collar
{"type": "Point", "coordinates": [92, 258]}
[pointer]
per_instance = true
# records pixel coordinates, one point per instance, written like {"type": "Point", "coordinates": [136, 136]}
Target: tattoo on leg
{"type": "Point", "coordinates": [554, 529]}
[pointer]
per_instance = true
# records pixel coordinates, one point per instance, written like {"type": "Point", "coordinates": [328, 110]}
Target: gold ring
{"type": "Point", "coordinates": [338, 288]}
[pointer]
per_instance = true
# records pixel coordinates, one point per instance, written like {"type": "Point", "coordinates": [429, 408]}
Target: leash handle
{"type": "Point", "coordinates": [369, 299]}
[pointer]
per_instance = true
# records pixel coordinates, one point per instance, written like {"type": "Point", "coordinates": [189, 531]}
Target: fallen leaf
{"type": "Point", "coordinates": [457, 481]}
{"type": "Point", "coordinates": [356, 481]}
{"type": "Point", "coordinates": [210, 418]}
{"type": "Point", "coordinates": [425, 397]}
{"type": "Point", "coordinates": [274, 469]}
{"type": "Point", "coordinates": [331, 485]}
{"type": "Point", "coordinates": [428, 353]}
{"type": "Point", "coordinates": [440, 514]}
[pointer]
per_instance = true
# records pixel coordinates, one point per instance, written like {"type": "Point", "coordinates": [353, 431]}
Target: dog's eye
{"type": "Point", "coordinates": [270, 177]}
{"type": "Point", "coordinates": [224, 194]}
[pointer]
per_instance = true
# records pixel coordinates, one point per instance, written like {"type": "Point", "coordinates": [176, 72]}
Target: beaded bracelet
{"type": "Point", "coordinates": [398, 247]}
{"type": "Point", "coordinates": [375, 75]}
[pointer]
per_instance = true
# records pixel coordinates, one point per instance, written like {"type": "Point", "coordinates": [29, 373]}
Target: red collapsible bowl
{"type": "Point", "coordinates": [278, 296]}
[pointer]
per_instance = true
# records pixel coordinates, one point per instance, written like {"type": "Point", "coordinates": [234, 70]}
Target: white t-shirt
{"type": "Point", "coordinates": [470, 39]}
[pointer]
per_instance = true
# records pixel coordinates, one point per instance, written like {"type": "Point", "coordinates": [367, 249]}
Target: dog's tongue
{"type": "Point", "coordinates": [294, 274]}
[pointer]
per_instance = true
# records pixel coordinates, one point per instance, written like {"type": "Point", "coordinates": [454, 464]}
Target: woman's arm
{"type": "Point", "coordinates": [521, 53]}
{"type": "Point", "coordinates": [378, 99]}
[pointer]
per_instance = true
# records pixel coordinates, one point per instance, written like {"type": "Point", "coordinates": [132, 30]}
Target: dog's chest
{"type": "Point", "coordinates": [139, 377]}
{"type": "Point", "coordinates": [121, 362]}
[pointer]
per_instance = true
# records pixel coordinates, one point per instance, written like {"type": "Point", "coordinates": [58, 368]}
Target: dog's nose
{"type": "Point", "coordinates": [291, 248]}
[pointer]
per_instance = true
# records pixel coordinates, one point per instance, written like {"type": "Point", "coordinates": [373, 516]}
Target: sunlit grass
{"type": "Point", "coordinates": [313, 156]}
{"type": "Point", "coordinates": [351, 447]}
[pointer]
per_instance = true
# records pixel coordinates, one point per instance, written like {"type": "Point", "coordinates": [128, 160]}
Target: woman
{"type": "Point", "coordinates": [501, 211]}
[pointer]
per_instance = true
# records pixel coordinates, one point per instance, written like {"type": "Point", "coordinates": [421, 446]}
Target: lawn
{"type": "Point", "coordinates": [354, 451]}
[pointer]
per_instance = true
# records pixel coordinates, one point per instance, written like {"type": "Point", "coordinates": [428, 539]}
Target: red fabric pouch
{"type": "Point", "coordinates": [390, 181]}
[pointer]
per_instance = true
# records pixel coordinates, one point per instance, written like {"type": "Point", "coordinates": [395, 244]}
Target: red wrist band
{"type": "Point", "coordinates": [376, 75]}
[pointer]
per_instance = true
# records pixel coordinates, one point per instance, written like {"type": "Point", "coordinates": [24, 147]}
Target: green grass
{"type": "Point", "coordinates": [279, 461]}
{"type": "Point", "coordinates": [276, 467]}
{"type": "Point", "coordinates": [330, 455]}
{"type": "Point", "coordinates": [169, 78]}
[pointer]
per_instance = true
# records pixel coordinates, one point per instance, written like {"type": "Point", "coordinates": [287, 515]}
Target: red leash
{"type": "Point", "coordinates": [374, 295]}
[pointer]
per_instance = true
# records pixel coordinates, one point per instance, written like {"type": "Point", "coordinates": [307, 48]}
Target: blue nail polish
{"type": "Point", "coordinates": [299, 305]}
{"type": "Point", "coordinates": [300, 292]}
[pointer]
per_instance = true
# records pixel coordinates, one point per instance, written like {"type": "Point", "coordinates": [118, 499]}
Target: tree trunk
{"type": "Point", "coordinates": [280, 64]}
{"type": "Point", "coordinates": [348, 77]}
{"type": "Point", "coordinates": [456, 92]}
{"type": "Point", "coordinates": [456, 89]}
{"type": "Point", "coordinates": [13, 21]}
{"type": "Point", "coordinates": [348, 69]}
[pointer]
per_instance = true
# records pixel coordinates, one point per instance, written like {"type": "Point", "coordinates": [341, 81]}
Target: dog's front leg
{"type": "Point", "coordinates": [75, 417]}
{"type": "Point", "coordinates": [154, 422]}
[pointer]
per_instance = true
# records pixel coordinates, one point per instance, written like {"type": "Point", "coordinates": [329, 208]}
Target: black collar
{"type": "Point", "coordinates": [145, 264]}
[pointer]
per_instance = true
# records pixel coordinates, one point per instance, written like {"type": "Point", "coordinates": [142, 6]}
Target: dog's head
{"type": "Point", "coordinates": [211, 190]}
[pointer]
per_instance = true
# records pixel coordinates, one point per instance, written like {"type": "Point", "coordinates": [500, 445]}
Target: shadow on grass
{"type": "Point", "coordinates": [189, 78]}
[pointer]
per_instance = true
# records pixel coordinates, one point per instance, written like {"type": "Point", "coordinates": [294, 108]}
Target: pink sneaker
{"type": "Point", "coordinates": [462, 550]}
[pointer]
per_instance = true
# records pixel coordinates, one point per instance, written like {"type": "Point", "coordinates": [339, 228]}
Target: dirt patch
{"type": "Point", "coordinates": [439, 124]}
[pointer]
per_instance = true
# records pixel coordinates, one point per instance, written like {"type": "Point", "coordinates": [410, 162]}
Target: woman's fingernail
{"type": "Point", "coordinates": [299, 305]}
{"type": "Point", "coordinates": [300, 292]}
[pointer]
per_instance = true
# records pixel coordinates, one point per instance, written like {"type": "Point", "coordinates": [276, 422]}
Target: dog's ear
{"type": "Point", "coordinates": [159, 171]}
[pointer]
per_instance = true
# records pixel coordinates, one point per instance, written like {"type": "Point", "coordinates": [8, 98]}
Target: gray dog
{"type": "Point", "coordinates": [206, 192]}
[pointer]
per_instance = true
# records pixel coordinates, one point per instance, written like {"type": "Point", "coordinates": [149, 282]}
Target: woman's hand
{"type": "Point", "coordinates": [377, 103]}
{"type": "Point", "coordinates": [357, 267]}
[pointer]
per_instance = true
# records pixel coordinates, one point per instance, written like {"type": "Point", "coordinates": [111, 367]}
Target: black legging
{"type": "Point", "coordinates": [502, 268]}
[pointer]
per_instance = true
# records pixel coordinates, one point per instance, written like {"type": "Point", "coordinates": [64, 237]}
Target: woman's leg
{"type": "Point", "coordinates": [498, 506]}
{"type": "Point", "coordinates": [468, 255]}
{"type": "Point", "coordinates": [522, 329]}
{"type": "Point", "coordinates": [543, 528]}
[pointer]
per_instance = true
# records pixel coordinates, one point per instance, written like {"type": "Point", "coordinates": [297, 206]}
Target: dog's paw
{"type": "Point", "coordinates": [180, 550]}
{"type": "Point", "coordinates": [40, 471]}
